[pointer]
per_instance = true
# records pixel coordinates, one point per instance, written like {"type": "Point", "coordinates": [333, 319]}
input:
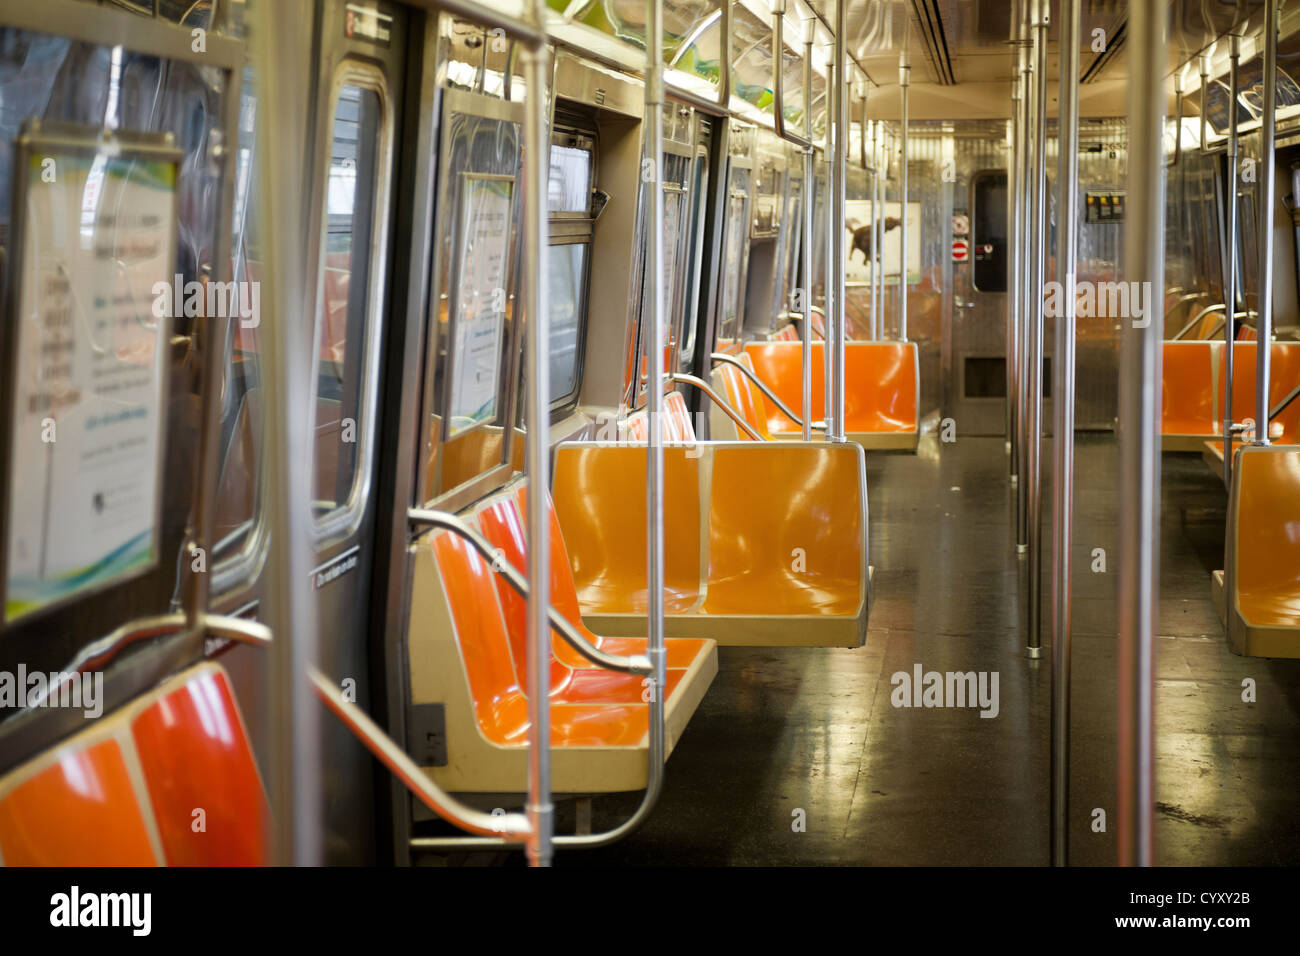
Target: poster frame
{"type": "Point", "coordinates": [467, 179]}
{"type": "Point", "coordinates": [76, 140]}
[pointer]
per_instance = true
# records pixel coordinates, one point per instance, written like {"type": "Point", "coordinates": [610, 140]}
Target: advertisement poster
{"type": "Point", "coordinates": [480, 294]}
{"type": "Point", "coordinates": [858, 217]}
{"type": "Point", "coordinates": [98, 234]}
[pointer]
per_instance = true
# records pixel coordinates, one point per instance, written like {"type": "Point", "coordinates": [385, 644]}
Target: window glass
{"type": "Point", "coordinates": [567, 269]}
{"type": "Point", "coordinates": [241, 421]}
{"type": "Point", "coordinates": [733, 253]}
{"type": "Point", "coordinates": [695, 261]}
{"type": "Point", "coordinates": [570, 183]}
{"type": "Point", "coordinates": [342, 317]}
{"type": "Point", "coordinates": [989, 233]}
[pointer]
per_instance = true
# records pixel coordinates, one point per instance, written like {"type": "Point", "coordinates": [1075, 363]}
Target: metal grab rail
{"type": "Point", "coordinates": [717, 399]}
{"type": "Point", "coordinates": [717, 357]}
{"type": "Point", "coordinates": [1217, 307]}
{"type": "Point", "coordinates": [409, 772]}
{"type": "Point", "coordinates": [1281, 406]}
{"type": "Point", "coordinates": [429, 518]}
{"type": "Point", "coordinates": [98, 653]}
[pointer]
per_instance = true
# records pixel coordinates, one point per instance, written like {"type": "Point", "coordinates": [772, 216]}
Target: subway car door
{"type": "Point", "coordinates": [980, 282]}
{"type": "Point", "coordinates": [358, 101]}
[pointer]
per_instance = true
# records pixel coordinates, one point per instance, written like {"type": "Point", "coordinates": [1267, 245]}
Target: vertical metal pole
{"type": "Point", "coordinates": [1204, 265]}
{"type": "Point", "coordinates": [832, 229]}
{"type": "Point", "coordinates": [904, 83]}
{"type": "Point", "coordinates": [283, 63]}
{"type": "Point", "coordinates": [877, 290]}
{"type": "Point", "coordinates": [1026, 274]}
{"type": "Point", "coordinates": [839, 168]}
{"type": "Point", "coordinates": [878, 227]}
{"type": "Point", "coordinates": [1067, 247]}
{"type": "Point", "coordinates": [871, 325]}
{"type": "Point", "coordinates": [1015, 195]}
{"type": "Point", "coordinates": [1139, 439]}
{"type": "Point", "coordinates": [541, 813]}
{"type": "Point", "coordinates": [654, 112]}
{"type": "Point", "coordinates": [1264, 322]}
{"type": "Point", "coordinates": [1230, 256]}
{"type": "Point", "coordinates": [810, 195]}
{"type": "Point", "coordinates": [1034, 343]}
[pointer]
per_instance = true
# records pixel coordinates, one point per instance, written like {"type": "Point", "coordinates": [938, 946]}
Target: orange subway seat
{"type": "Point", "coordinates": [1187, 416]}
{"type": "Point", "coordinates": [604, 522]}
{"type": "Point", "coordinates": [195, 755]}
{"type": "Point", "coordinates": [881, 389]}
{"type": "Point", "coordinates": [125, 791]}
{"type": "Point", "coordinates": [81, 810]}
{"type": "Point", "coordinates": [499, 701]}
{"type": "Point", "coordinates": [571, 681]}
{"type": "Point", "coordinates": [1261, 611]}
{"type": "Point", "coordinates": [752, 564]}
{"type": "Point", "coordinates": [677, 425]}
{"type": "Point", "coordinates": [679, 651]}
{"type": "Point", "coordinates": [744, 398]}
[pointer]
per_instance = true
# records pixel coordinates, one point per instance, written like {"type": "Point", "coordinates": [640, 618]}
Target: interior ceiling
{"type": "Point", "coordinates": [962, 56]}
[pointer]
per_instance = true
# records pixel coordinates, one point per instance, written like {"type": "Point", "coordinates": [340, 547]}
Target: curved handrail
{"type": "Point", "coordinates": [1281, 406]}
{"type": "Point", "coordinates": [717, 399]}
{"type": "Point", "coordinates": [717, 357]}
{"type": "Point", "coordinates": [1186, 298]}
{"type": "Point", "coordinates": [1217, 307]}
{"type": "Point", "coordinates": [98, 653]}
{"type": "Point", "coordinates": [409, 772]}
{"type": "Point", "coordinates": [429, 518]}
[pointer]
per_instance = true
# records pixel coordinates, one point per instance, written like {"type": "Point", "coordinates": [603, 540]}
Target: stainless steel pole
{"type": "Point", "coordinates": [1139, 439]}
{"type": "Point", "coordinates": [809, 196]}
{"type": "Point", "coordinates": [283, 63]}
{"type": "Point", "coordinates": [1230, 257]}
{"type": "Point", "coordinates": [656, 334]}
{"type": "Point", "coordinates": [541, 812]}
{"type": "Point", "coordinates": [1015, 297]}
{"type": "Point", "coordinates": [877, 210]}
{"type": "Point", "coordinates": [878, 228]}
{"type": "Point", "coordinates": [830, 300]}
{"type": "Point", "coordinates": [1067, 247]}
{"type": "Point", "coordinates": [871, 325]}
{"type": "Point", "coordinates": [1025, 291]}
{"type": "Point", "coordinates": [904, 82]}
{"type": "Point", "coordinates": [1268, 129]}
{"type": "Point", "coordinates": [1038, 263]}
{"type": "Point", "coordinates": [839, 168]}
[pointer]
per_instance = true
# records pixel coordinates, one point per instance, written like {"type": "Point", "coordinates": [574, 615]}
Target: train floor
{"type": "Point", "coordinates": [804, 756]}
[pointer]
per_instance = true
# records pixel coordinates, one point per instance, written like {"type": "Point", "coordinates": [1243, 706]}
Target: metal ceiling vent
{"type": "Point", "coordinates": [930, 24]}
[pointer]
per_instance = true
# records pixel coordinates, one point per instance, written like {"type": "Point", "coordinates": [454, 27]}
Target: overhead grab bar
{"type": "Point", "coordinates": [717, 400]}
{"type": "Point", "coordinates": [778, 77]}
{"type": "Point", "coordinates": [429, 518]}
{"type": "Point", "coordinates": [717, 357]}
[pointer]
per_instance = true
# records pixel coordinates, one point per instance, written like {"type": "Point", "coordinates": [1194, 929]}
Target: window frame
{"type": "Point", "coordinates": [345, 518]}
{"type": "Point", "coordinates": [573, 228]}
